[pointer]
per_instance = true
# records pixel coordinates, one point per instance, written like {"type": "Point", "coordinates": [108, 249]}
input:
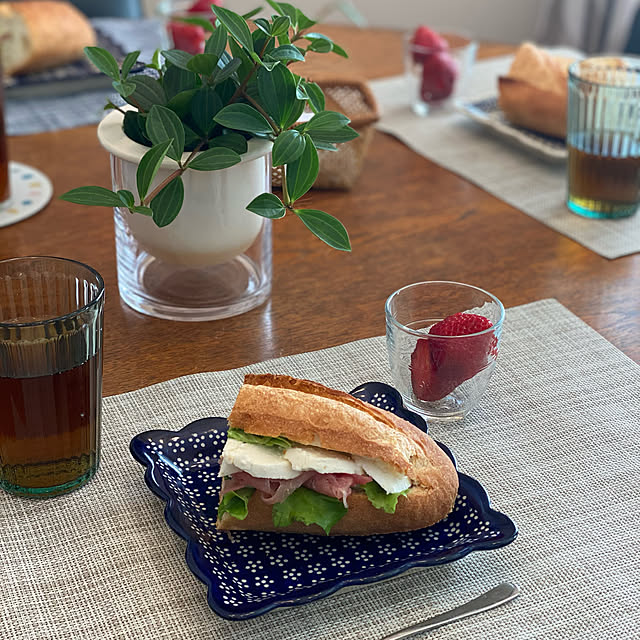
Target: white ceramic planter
{"type": "Point", "coordinates": [214, 259]}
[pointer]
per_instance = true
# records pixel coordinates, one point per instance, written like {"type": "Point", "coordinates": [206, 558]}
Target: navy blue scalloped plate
{"type": "Point", "coordinates": [250, 573]}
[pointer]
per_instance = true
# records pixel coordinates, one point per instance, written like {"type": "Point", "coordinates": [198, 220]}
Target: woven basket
{"type": "Point", "coordinates": [340, 169]}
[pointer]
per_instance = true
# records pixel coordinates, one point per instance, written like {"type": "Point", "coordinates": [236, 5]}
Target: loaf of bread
{"type": "Point", "coordinates": [533, 94]}
{"type": "Point", "coordinates": [36, 35]}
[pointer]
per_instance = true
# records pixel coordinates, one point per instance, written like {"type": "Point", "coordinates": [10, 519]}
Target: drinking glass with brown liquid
{"type": "Point", "coordinates": [603, 137]}
{"type": "Point", "coordinates": [51, 314]}
{"type": "Point", "coordinates": [4, 156]}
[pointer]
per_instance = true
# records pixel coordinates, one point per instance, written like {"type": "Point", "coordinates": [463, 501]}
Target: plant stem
{"type": "Point", "coordinates": [176, 174]}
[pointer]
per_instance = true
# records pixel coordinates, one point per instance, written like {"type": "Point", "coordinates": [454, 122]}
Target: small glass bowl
{"type": "Point", "coordinates": [442, 377]}
{"type": "Point", "coordinates": [438, 76]}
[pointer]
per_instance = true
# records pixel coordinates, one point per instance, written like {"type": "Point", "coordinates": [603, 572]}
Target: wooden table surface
{"type": "Point", "coordinates": [409, 220]}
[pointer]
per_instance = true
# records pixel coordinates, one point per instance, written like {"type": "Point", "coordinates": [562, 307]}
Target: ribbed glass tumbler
{"type": "Point", "coordinates": [603, 137]}
{"type": "Point", "coordinates": [51, 318]}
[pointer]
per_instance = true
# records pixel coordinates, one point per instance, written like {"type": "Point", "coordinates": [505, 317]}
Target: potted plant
{"type": "Point", "coordinates": [191, 157]}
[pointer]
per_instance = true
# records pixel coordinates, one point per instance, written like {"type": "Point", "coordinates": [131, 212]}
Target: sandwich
{"type": "Point", "coordinates": [303, 458]}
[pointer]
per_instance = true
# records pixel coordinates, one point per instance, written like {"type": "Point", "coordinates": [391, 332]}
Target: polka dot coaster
{"type": "Point", "coordinates": [31, 191]}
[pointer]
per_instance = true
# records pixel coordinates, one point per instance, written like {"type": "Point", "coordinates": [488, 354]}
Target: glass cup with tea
{"type": "Point", "coordinates": [51, 318]}
{"type": "Point", "coordinates": [442, 340]}
{"type": "Point", "coordinates": [4, 157]}
{"type": "Point", "coordinates": [603, 137]}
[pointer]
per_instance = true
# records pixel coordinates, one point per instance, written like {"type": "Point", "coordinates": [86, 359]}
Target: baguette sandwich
{"type": "Point", "coordinates": [303, 458]}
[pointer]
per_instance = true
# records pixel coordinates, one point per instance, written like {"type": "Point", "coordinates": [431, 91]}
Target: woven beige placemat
{"type": "Point", "coordinates": [555, 442]}
{"type": "Point", "coordinates": [516, 175]}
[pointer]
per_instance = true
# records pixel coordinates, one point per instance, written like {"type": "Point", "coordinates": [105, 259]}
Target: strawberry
{"type": "Point", "coordinates": [440, 364]}
{"type": "Point", "coordinates": [439, 73]}
{"type": "Point", "coordinates": [188, 37]}
{"type": "Point", "coordinates": [428, 42]}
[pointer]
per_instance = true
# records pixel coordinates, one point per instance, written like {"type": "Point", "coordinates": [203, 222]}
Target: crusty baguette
{"type": "Point", "coordinates": [36, 35]}
{"type": "Point", "coordinates": [534, 92]}
{"type": "Point", "coordinates": [312, 414]}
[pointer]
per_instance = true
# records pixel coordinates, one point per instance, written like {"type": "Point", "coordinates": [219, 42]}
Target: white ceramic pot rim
{"type": "Point", "coordinates": [114, 140]}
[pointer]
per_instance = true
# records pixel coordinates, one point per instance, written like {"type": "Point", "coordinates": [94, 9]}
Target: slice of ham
{"type": "Point", "coordinates": [336, 485]}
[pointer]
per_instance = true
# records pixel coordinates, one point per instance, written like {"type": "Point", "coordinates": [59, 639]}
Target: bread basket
{"type": "Point", "coordinates": [340, 169]}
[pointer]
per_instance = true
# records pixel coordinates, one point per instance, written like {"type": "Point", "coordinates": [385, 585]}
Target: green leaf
{"type": "Point", "coordinates": [315, 96]}
{"type": "Point", "coordinates": [340, 51]}
{"type": "Point", "coordinates": [104, 61]}
{"type": "Point", "coordinates": [288, 147]}
{"type": "Point", "coordinates": [276, 7]}
{"type": "Point", "coordinates": [302, 173]}
{"type": "Point", "coordinates": [344, 134]}
{"type": "Point", "coordinates": [149, 165]}
{"type": "Point", "coordinates": [267, 205]}
{"type": "Point", "coordinates": [191, 138]}
{"type": "Point", "coordinates": [264, 25]}
{"type": "Point", "coordinates": [134, 127]}
{"type": "Point", "coordinates": [235, 503]}
{"type": "Point", "coordinates": [309, 507]}
{"type": "Point", "coordinates": [204, 106]}
{"type": "Point", "coordinates": [96, 196]}
{"type": "Point", "coordinates": [177, 57]}
{"type": "Point", "coordinates": [235, 25]}
{"type": "Point", "coordinates": [125, 89]}
{"type": "Point", "coordinates": [162, 125]}
{"type": "Point", "coordinates": [203, 63]}
{"type": "Point", "coordinates": [252, 13]}
{"type": "Point", "coordinates": [222, 73]}
{"type": "Point", "coordinates": [380, 499]}
{"type": "Point", "coordinates": [126, 198]}
{"type": "Point", "coordinates": [145, 211]}
{"type": "Point", "coordinates": [326, 121]}
{"type": "Point", "coordinates": [303, 21]}
{"type": "Point", "coordinates": [197, 21]}
{"type": "Point", "coordinates": [251, 438]}
{"type": "Point", "coordinates": [320, 45]}
{"type": "Point", "coordinates": [277, 90]}
{"type": "Point", "coordinates": [155, 60]}
{"type": "Point", "coordinates": [216, 43]}
{"type": "Point", "coordinates": [325, 227]}
{"type": "Point", "coordinates": [243, 118]}
{"type": "Point", "coordinates": [215, 159]}
{"type": "Point", "coordinates": [167, 204]}
{"type": "Point", "coordinates": [286, 52]}
{"type": "Point", "coordinates": [181, 103]}
{"type": "Point", "coordinates": [291, 11]}
{"type": "Point", "coordinates": [129, 60]}
{"type": "Point", "coordinates": [280, 26]}
{"type": "Point", "coordinates": [324, 146]}
{"type": "Point", "coordinates": [176, 80]}
{"type": "Point", "coordinates": [148, 92]}
{"type": "Point", "coordinates": [231, 140]}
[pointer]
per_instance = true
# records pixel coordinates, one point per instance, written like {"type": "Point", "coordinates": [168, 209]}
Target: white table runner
{"type": "Point", "coordinates": [535, 186]}
{"type": "Point", "coordinates": [555, 442]}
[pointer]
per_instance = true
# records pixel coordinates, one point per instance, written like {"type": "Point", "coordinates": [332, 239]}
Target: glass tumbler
{"type": "Point", "coordinates": [603, 137]}
{"type": "Point", "coordinates": [51, 313]}
{"type": "Point", "coordinates": [442, 369]}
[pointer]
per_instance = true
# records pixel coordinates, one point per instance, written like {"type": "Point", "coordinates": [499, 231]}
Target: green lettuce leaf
{"type": "Point", "coordinates": [380, 499]}
{"type": "Point", "coordinates": [309, 507]}
{"type": "Point", "coordinates": [267, 441]}
{"type": "Point", "coordinates": [235, 503]}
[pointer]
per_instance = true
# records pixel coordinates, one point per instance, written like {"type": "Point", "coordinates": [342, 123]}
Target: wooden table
{"type": "Point", "coordinates": [409, 220]}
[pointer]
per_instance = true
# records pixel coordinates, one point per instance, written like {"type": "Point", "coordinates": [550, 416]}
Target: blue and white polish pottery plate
{"type": "Point", "coordinates": [250, 572]}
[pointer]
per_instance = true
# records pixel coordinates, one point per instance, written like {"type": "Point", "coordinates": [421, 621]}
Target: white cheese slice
{"type": "Point", "coordinates": [226, 468]}
{"type": "Point", "coordinates": [321, 460]}
{"type": "Point", "coordinates": [391, 480]}
{"type": "Point", "coordinates": [257, 460]}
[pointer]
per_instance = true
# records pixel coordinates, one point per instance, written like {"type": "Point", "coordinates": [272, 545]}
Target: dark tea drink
{"type": "Point", "coordinates": [603, 137]}
{"type": "Point", "coordinates": [48, 426]}
{"type": "Point", "coordinates": [51, 313]}
{"type": "Point", "coordinates": [4, 157]}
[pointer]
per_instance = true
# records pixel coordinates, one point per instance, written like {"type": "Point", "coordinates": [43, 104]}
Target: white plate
{"type": "Point", "coordinates": [30, 189]}
{"type": "Point", "coordinates": [487, 113]}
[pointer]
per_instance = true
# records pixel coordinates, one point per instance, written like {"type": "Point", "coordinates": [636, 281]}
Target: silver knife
{"type": "Point", "coordinates": [492, 598]}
